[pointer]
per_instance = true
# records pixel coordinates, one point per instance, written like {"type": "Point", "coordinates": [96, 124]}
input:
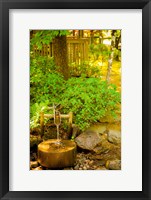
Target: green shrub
{"type": "Point", "coordinates": [35, 110]}
{"type": "Point", "coordinates": [85, 68]}
{"type": "Point", "coordinates": [89, 99]}
{"type": "Point", "coordinates": [45, 82]}
{"type": "Point", "coordinates": [46, 85]}
{"type": "Point", "coordinates": [97, 50]}
{"type": "Point", "coordinates": [117, 54]}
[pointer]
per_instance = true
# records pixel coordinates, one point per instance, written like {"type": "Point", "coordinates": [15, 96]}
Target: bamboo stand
{"type": "Point", "coordinates": [68, 116]}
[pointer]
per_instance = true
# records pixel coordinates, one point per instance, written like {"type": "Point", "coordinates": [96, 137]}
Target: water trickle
{"type": "Point", "coordinates": [57, 122]}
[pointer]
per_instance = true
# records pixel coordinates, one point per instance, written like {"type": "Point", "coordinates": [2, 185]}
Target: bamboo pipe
{"type": "Point", "coordinates": [52, 116]}
{"type": "Point", "coordinates": [42, 123]}
{"type": "Point", "coordinates": [63, 116]}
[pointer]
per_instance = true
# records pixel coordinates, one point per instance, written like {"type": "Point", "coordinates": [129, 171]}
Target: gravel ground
{"type": "Point", "coordinates": [84, 161]}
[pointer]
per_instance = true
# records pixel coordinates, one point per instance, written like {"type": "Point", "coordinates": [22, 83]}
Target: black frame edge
{"type": "Point", "coordinates": [4, 100]}
{"type": "Point", "coordinates": [146, 99]}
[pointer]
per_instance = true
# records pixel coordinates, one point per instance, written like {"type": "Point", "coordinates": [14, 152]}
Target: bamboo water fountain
{"type": "Point", "coordinates": [56, 153]}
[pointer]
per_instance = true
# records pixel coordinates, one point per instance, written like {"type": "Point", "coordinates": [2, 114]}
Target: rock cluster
{"type": "Point", "coordinates": [103, 141]}
{"type": "Point", "coordinates": [99, 149]}
{"type": "Point", "coordinates": [114, 136]}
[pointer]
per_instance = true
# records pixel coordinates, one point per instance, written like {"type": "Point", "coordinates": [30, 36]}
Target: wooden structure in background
{"type": "Point", "coordinates": [77, 50]}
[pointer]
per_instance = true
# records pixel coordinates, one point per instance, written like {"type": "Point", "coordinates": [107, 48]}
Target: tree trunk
{"type": "Point", "coordinates": [117, 41]}
{"type": "Point", "coordinates": [61, 56]}
{"type": "Point", "coordinates": [110, 60]}
{"type": "Point", "coordinates": [92, 36]}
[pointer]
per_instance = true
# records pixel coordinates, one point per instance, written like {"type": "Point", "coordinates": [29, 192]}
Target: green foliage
{"type": "Point", "coordinates": [44, 63]}
{"type": "Point", "coordinates": [117, 33]}
{"type": "Point", "coordinates": [117, 54]}
{"type": "Point", "coordinates": [46, 36]}
{"type": "Point", "coordinates": [89, 99]}
{"type": "Point", "coordinates": [85, 69]}
{"type": "Point", "coordinates": [35, 110]}
{"type": "Point", "coordinates": [46, 85]}
{"type": "Point", "coordinates": [45, 82]}
{"type": "Point", "coordinates": [100, 50]}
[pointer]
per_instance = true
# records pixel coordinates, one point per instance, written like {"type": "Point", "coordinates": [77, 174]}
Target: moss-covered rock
{"type": "Point", "coordinates": [34, 140]}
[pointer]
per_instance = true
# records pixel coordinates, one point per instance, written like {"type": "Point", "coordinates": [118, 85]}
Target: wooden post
{"type": "Point", "coordinates": [70, 117]}
{"type": "Point", "coordinates": [111, 56]}
{"type": "Point", "coordinates": [42, 123]}
{"type": "Point", "coordinates": [70, 122]}
{"type": "Point", "coordinates": [80, 33]}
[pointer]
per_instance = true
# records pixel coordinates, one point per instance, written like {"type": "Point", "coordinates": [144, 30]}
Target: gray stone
{"type": "Point", "coordinates": [75, 131]}
{"type": "Point", "coordinates": [113, 164]}
{"type": "Point", "coordinates": [33, 164]}
{"type": "Point", "coordinates": [85, 168]}
{"type": "Point", "coordinates": [88, 140]}
{"type": "Point", "coordinates": [34, 140]}
{"type": "Point", "coordinates": [38, 168]}
{"type": "Point", "coordinates": [104, 146]}
{"type": "Point", "coordinates": [99, 162]}
{"type": "Point", "coordinates": [98, 127]}
{"type": "Point", "coordinates": [101, 168]}
{"type": "Point", "coordinates": [113, 154]}
{"type": "Point", "coordinates": [76, 167]}
{"type": "Point", "coordinates": [114, 136]}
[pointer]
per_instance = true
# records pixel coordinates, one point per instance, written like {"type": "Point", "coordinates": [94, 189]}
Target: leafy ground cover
{"type": "Point", "coordinates": [88, 96]}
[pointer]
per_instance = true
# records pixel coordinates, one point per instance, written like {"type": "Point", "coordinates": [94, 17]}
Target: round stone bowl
{"type": "Point", "coordinates": [57, 155]}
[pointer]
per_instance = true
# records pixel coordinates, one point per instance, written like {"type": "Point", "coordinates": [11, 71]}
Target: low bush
{"type": "Point", "coordinates": [88, 98]}
{"type": "Point", "coordinates": [45, 82]}
{"type": "Point", "coordinates": [86, 68]}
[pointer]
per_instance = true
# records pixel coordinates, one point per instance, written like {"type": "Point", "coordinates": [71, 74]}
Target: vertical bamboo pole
{"type": "Point", "coordinates": [42, 123]}
{"type": "Point", "coordinates": [70, 117]}
{"type": "Point", "coordinates": [70, 122]}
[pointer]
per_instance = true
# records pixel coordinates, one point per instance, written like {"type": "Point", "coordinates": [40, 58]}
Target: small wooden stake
{"type": "Point", "coordinates": [42, 123]}
{"type": "Point", "coordinates": [70, 117]}
{"type": "Point", "coordinates": [70, 122]}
